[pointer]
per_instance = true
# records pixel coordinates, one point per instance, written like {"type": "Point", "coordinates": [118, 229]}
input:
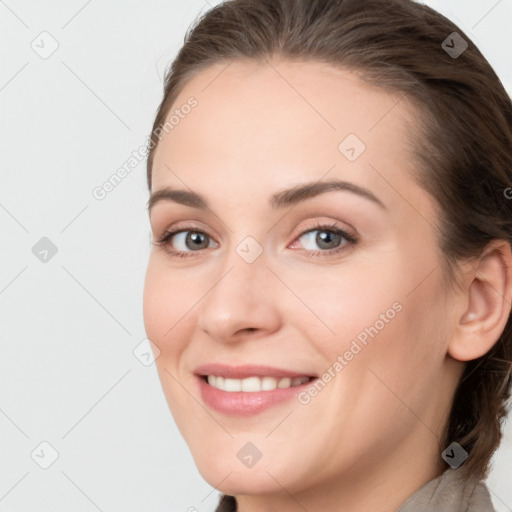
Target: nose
{"type": "Point", "coordinates": [241, 301]}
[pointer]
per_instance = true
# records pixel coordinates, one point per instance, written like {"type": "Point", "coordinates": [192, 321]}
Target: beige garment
{"type": "Point", "coordinates": [449, 492]}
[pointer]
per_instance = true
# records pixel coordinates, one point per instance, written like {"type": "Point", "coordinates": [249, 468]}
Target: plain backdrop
{"type": "Point", "coordinates": [80, 82]}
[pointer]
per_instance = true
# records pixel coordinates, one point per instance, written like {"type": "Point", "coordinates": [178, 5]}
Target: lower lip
{"type": "Point", "coordinates": [243, 403]}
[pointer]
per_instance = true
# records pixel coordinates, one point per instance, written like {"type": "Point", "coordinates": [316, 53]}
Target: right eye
{"type": "Point", "coordinates": [184, 239]}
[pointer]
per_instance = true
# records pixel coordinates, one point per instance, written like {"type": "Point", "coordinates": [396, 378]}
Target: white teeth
{"type": "Point", "coordinates": [251, 384]}
{"type": "Point", "coordinates": [232, 385]}
{"type": "Point", "coordinates": [268, 383]}
{"type": "Point", "coordinates": [285, 383]}
{"type": "Point", "coordinates": [254, 384]}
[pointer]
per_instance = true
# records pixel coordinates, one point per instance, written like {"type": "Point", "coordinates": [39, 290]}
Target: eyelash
{"type": "Point", "coordinates": [330, 228]}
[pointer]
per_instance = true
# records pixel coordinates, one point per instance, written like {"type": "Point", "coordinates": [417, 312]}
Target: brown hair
{"type": "Point", "coordinates": [462, 146]}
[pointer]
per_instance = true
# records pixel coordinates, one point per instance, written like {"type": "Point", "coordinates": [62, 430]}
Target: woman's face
{"type": "Point", "coordinates": [334, 294]}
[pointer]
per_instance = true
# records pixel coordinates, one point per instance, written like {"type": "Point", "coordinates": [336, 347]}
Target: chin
{"type": "Point", "coordinates": [251, 481]}
{"type": "Point", "coordinates": [267, 475]}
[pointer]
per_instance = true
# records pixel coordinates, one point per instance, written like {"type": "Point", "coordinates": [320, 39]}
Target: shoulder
{"type": "Point", "coordinates": [450, 492]}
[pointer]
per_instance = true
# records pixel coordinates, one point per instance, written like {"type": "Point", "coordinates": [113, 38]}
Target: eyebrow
{"type": "Point", "coordinates": [279, 200]}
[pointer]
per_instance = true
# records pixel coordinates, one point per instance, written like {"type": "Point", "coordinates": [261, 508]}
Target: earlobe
{"type": "Point", "coordinates": [489, 296]}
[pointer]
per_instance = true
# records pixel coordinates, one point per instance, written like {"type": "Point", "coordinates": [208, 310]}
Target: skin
{"type": "Point", "coordinates": [371, 437]}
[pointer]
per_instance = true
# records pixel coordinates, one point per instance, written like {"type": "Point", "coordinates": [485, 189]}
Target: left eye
{"type": "Point", "coordinates": [331, 238]}
{"type": "Point", "coordinates": [326, 239]}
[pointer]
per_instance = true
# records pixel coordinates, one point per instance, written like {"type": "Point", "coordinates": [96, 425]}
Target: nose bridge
{"type": "Point", "coordinates": [240, 296]}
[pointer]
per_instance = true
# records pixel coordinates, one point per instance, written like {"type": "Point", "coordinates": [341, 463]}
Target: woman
{"type": "Point", "coordinates": [330, 283]}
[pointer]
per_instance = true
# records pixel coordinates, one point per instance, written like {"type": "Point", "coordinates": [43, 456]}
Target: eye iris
{"type": "Point", "coordinates": [326, 236]}
{"type": "Point", "coordinates": [195, 237]}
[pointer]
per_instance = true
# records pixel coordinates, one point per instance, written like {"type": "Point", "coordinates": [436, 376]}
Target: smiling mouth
{"type": "Point", "coordinates": [254, 384]}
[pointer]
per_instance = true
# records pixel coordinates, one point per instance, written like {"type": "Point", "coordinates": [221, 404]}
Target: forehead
{"type": "Point", "coordinates": [266, 125]}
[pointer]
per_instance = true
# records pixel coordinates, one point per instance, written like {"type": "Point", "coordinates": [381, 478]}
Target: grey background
{"type": "Point", "coordinates": [69, 326]}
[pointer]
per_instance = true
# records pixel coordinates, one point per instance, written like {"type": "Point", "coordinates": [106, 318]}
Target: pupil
{"type": "Point", "coordinates": [196, 239]}
{"type": "Point", "coordinates": [324, 237]}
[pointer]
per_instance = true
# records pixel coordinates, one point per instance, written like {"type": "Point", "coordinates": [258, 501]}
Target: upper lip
{"type": "Point", "coordinates": [243, 371]}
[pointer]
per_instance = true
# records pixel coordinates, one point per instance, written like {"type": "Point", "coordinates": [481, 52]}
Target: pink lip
{"type": "Point", "coordinates": [241, 403]}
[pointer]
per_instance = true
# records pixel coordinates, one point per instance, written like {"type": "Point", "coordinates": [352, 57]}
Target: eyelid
{"type": "Point", "coordinates": [183, 226]}
{"type": "Point", "coordinates": [335, 225]}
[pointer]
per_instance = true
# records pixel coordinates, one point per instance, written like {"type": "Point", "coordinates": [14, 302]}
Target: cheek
{"type": "Point", "coordinates": [164, 307]}
{"type": "Point", "coordinates": [405, 358]}
{"type": "Point", "coordinates": [339, 305]}
{"type": "Point", "coordinates": [380, 318]}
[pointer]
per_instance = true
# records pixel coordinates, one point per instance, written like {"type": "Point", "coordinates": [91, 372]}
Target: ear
{"type": "Point", "coordinates": [488, 295]}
